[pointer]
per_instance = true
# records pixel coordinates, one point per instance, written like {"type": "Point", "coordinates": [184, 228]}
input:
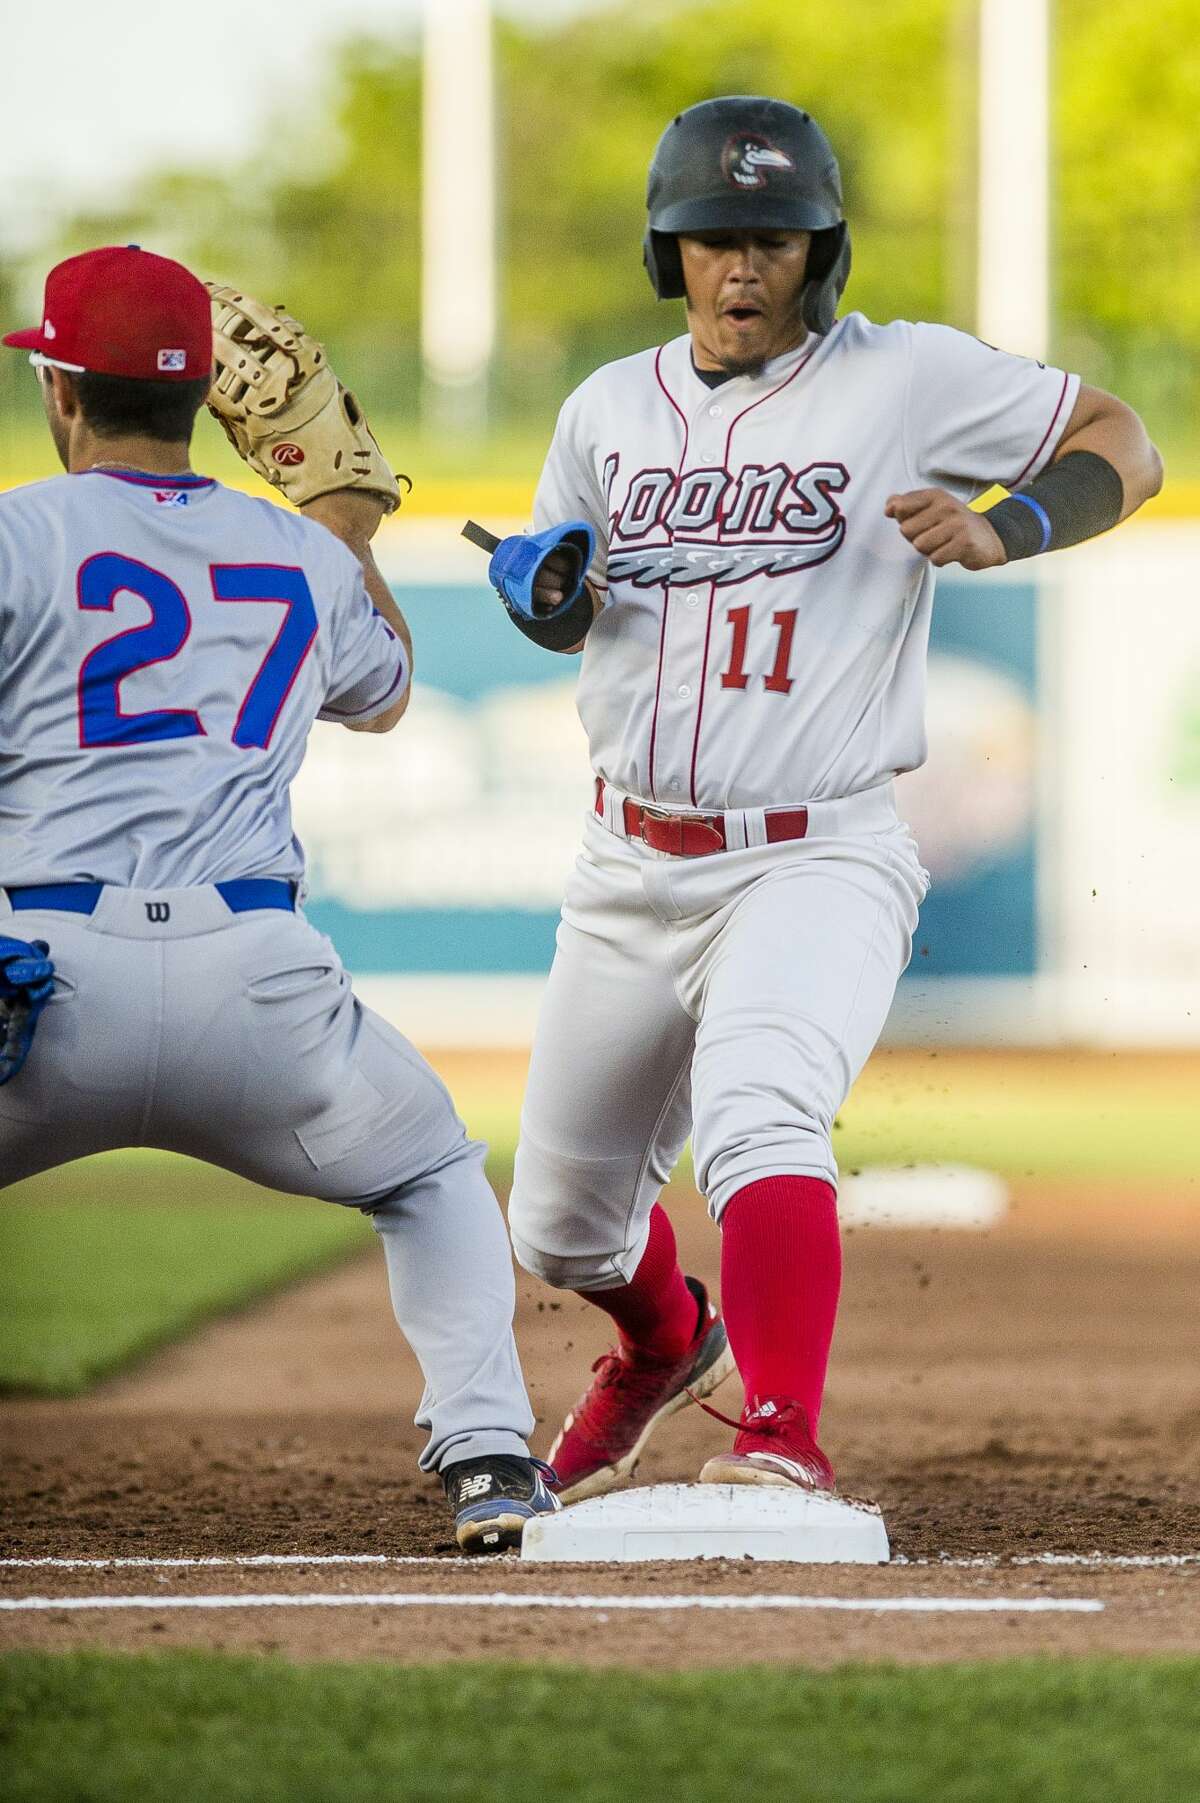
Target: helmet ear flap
{"type": "Point", "coordinates": [828, 270]}
{"type": "Point", "coordinates": [664, 265]}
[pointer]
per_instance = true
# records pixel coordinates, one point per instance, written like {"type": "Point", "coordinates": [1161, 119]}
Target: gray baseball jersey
{"type": "Point", "coordinates": [766, 626]}
{"type": "Point", "coordinates": [165, 646]}
{"type": "Point", "coordinates": [164, 649]}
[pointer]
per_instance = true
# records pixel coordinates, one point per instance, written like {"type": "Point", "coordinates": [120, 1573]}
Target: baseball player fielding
{"type": "Point", "coordinates": [168, 645]}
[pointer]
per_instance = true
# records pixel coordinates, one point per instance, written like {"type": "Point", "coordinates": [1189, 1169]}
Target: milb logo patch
{"type": "Point", "coordinates": [171, 362]}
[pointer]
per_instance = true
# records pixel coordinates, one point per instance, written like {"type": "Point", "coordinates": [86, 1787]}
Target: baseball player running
{"type": "Point", "coordinates": [167, 645]}
{"type": "Point", "coordinates": [769, 497]}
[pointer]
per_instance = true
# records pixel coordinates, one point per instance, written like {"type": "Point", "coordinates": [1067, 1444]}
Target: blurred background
{"type": "Point", "coordinates": [452, 196]}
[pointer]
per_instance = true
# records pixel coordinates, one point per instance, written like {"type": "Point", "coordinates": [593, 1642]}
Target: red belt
{"type": "Point", "coordinates": [696, 835]}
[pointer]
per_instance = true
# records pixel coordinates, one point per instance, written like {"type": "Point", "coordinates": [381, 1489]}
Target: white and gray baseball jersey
{"type": "Point", "coordinates": [766, 627]}
{"type": "Point", "coordinates": [761, 652]}
{"type": "Point", "coordinates": [165, 646]}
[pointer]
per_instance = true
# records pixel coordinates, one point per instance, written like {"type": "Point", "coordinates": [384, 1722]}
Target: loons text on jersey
{"type": "Point", "coordinates": [708, 525]}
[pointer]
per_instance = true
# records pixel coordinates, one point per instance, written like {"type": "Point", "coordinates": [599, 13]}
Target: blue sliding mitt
{"type": "Point", "coordinates": [26, 985]}
{"type": "Point", "coordinates": [513, 570]}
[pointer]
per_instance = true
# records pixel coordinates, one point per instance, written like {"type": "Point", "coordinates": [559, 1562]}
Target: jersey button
{"type": "Point", "coordinates": [692, 600]}
{"type": "Point", "coordinates": [684, 691]}
{"type": "Point", "coordinates": [708, 457]}
{"type": "Point", "coordinates": [716, 413]}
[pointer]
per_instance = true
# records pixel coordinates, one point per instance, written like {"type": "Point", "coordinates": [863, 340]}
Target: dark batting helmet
{"type": "Point", "coordinates": [739, 163]}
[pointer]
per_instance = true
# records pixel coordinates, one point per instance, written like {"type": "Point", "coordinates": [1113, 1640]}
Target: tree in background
{"type": "Point", "coordinates": [1127, 252]}
{"type": "Point", "coordinates": [326, 214]}
{"type": "Point", "coordinates": [584, 108]}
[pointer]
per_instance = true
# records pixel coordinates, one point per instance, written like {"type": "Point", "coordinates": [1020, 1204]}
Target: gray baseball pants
{"type": "Point", "coordinates": [237, 1039]}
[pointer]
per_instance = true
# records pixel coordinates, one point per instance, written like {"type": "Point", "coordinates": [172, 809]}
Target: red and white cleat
{"type": "Point", "coordinates": [602, 1438]}
{"type": "Point", "coordinates": [774, 1445]}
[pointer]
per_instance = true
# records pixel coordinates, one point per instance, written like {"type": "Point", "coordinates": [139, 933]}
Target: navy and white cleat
{"type": "Point", "coordinates": [492, 1498]}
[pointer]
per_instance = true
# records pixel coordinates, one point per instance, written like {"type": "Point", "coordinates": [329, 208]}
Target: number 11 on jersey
{"type": "Point", "coordinates": [736, 676]}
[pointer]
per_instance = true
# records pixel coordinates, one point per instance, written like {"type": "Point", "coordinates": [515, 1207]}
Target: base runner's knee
{"type": "Point", "coordinates": [558, 1272]}
{"type": "Point", "coordinates": [564, 1247]}
{"type": "Point", "coordinates": [580, 1271]}
{"type": "Point", "coordinates": [534, 1230]}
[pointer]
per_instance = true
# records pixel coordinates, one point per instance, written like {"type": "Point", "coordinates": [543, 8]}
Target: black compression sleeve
{"type": "Point", "coordinates": [1074, 499]}
{"type": "Point", "coordinates": [561, 630]}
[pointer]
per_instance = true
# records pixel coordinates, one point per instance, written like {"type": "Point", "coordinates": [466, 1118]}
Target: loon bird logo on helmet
{"type": "Point", "coordinates": [746, 162]}
{"type": "Point", "coordinates": [746, 159]}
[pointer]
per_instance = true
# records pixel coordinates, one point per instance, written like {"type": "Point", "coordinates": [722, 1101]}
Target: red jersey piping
{"type": "Point", "coordinates": [1017, 481]}
{"type": "Point", "coordinates": [662, 635]}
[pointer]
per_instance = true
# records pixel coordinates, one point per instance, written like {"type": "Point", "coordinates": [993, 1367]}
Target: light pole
{"type": "Point", "coordinates": [458, 213]}
{"type": "Point", "coordinates": [1013, 289]}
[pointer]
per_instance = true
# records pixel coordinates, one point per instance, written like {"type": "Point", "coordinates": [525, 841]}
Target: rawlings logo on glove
{"type": "Point", "coordinates": [284, 411]}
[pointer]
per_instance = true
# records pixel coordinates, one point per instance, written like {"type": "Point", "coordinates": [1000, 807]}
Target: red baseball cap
{"type": "Point", "coordinates": [122, 311]}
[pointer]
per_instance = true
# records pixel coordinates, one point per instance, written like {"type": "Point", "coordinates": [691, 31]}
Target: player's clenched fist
{"type": "Point", "coordinates": [945, 530]}
{"type": "Point", "coordinates": [555, 580]}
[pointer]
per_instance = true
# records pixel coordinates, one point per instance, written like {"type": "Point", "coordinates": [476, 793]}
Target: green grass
{"type": "Point", "coordinates": [90, 1283]}
{"type": "Point", "coordinates": [109, 1257]}
{"type": "Point", "coordinates": [90, 1728]}
{"type": "Point", "coordinates": [1126, 1119]}
{"type": "Point", "coordinates": [1116, 1120]}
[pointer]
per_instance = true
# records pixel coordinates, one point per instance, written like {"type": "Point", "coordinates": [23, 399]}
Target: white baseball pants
{"type": "Point", "coordinates": [237, 1039]}
{"type": "Point", "coordinates": [735, 996]}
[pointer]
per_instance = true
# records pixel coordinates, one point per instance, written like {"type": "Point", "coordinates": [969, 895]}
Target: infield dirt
{"type": "Point", "coordinates": [1030, 1390]}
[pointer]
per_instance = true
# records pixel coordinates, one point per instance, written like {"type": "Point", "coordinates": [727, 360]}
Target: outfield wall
{"type": "Point", "coordinates": [1059, 812]}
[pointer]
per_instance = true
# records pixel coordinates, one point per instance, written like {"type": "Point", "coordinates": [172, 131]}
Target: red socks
{"type": "Point", "coordinates": [781, 1271]}
{"type": "Point", "coordinates": [655, 1312]}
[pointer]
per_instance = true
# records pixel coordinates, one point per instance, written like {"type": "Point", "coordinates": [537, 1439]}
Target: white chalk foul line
{"type": "Point", "coordinates": [248, 1561]}
{"type": "Point", "coordinates": [892, 1605]}
{"type": "Point", "coordinates": [1072, 1561]}
{"type": "Point", "coordinates": [244, 1561]}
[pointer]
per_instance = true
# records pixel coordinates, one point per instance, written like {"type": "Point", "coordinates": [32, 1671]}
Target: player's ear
{"type": "Point", "coordinates": [64, 392]}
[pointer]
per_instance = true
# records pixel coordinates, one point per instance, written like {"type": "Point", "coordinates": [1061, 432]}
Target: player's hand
{"type": "Point", "coordinates": [551, 582]}
{"type": "Point", "coordinates": [945, 530]}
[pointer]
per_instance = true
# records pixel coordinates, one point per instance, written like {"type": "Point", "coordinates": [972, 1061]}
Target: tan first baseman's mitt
{"type": "Point", "coordinates": [282, 408]}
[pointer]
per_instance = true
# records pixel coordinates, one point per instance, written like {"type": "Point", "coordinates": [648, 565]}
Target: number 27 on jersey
{"type": "Point", "coordinates": [103, 577]}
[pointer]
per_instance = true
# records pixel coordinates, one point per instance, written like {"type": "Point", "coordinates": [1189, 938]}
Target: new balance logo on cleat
{"type": "Point", "coordinates": [492, 1499]}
